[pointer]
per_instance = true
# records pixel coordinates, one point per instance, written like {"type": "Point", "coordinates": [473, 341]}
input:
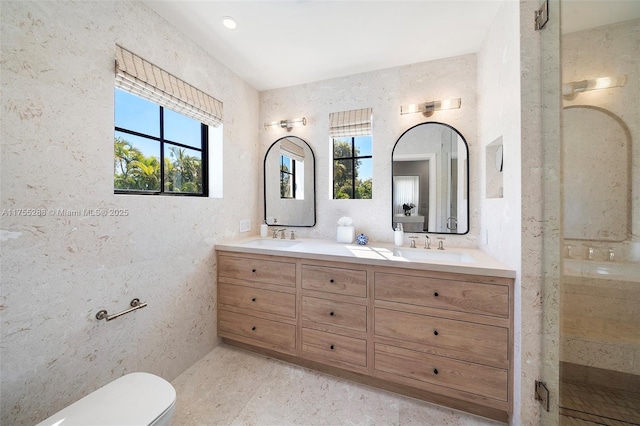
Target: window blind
{"type": "Point", "coordinates": [291, 150]}
{"type": "Point", "coordinates": [140, 77]}
{"type": "Point", "coordinates": [356, 122]}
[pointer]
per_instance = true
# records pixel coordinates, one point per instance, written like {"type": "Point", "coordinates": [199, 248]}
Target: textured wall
{"type": "Point", "coordinates": [384, 91]}
{"type": "Point", "coordinates": [57, 148]}
{"type": "Point", "coordinates": [499, 116]}
{"type": "Point", "coordinates": [541, 206]}
{"type": "Point", "coordinates": [522, 227]}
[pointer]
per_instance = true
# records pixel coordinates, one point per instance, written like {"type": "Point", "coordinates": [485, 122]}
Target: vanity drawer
{"type": "Point", "coordinates": [334, 347]}
{"type": "Point", "coordinates": [258, 270]}
{"type": "Point", "coordinates": [275, 334]}
{"type": "Point", "coordinates": [339, 314]}
{"type": "Point", "coordinates": [421, 370]}
{"type": "Point", "coordinates": [480, 343]}
{"type": "Point", "coordinates": [450, 294]}
{"type": "Point", "coordinates": [271, 302]}
{"type": "Point", "coordinates": [350, 282]}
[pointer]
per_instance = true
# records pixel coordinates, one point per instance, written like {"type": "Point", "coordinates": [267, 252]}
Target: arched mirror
{"type": "Point", "coordinates": [289, 183]}
{"type": "Point", "coordinates": [430, 172]}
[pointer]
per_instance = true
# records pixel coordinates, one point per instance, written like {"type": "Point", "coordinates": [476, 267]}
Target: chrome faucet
{"type": "Point", "coordinates": [276, 231]}
{"type": "Point", "coordinates": [413, 242]}
{"type": "Point", "coordinates": [427, 242]}
{"type": "Point", "coordinates": [440, 243]}
{"type": "Point", "coordinates": [590, 253]}
{"type": "Point", "coordinates": [612, 255]}
{"type": "Point", "coordinates": [293, 237]}
{"type": "Point", "coordinates": [569, 254]}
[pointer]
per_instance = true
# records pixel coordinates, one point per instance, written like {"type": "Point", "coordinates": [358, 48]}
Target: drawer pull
{"type": "Point", "coordinates": [331, 347]}
{"type": "Point", "coordinates": [331, 313]}
{"type": "Point", "coordinates": [253, 299]}
{"type": "Point", "coordinates": [435, 332]}
{"type": "Point", "coordinates": [331, 280]}
{"type": "Point", "coordinates": [253, 328]}
{"type": "Point", "coordinates": [253, 270]}
{"type": "Point", "coordinates": [435, 294]}
{"type": "Point", "coordinates": [435, 371]}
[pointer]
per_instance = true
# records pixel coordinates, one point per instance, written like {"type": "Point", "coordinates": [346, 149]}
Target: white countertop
{"type": "Point", "coordinates": [452, 259]}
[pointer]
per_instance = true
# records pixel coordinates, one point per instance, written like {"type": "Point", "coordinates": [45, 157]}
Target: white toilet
{"type": "Point", "coordinates": [137, 399]}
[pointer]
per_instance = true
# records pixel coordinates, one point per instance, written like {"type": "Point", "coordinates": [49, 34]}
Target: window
{"type": "Point", "coordinates": [352, 173]}
{"type": "Point", "coordinates": [157, 150]}
{"type": "Point", "coordinates": [350, 133]}
{"type": "Point", "coordinates": [162, 127]}
{"type": "Point", "coordinates": [287, 177]}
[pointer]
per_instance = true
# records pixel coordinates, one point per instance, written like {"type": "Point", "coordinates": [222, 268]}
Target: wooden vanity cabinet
{"type": "Point", "coordinates": [257, 301]}
{"type": "Point", "coordinates": [334, 314]}
{"type": "Point", "coordinates": [442, 337]}
{"type": "Point", "coordinates": [445, 333]}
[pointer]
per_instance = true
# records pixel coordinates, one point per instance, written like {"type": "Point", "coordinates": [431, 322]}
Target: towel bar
{"type": "Point", "coordinates": [135, 304]}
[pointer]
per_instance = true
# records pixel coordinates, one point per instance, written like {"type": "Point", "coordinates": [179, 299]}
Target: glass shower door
{"type": "Point", "coordinates": [600, 276]}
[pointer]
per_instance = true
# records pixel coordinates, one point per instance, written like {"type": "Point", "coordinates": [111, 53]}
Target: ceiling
{"type": "Point", "coordinates": [290, 42]}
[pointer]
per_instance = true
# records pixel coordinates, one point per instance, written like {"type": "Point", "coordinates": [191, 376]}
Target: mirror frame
{"type": "Point", "coordinates": [264, 177]}
{"type": "Point", "coordinates": [466, 146]}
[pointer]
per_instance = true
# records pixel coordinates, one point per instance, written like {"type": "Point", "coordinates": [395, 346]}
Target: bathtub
{"type": "Point", "coordinates": [621, 271]}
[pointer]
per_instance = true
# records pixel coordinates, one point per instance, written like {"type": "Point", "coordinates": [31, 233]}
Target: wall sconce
{"type": "Point", "coordinates": [428, 108]}
{"type": "Point", "coordinates": [571, 89]}
{"type": "Point", "coordinates": [286, 124]}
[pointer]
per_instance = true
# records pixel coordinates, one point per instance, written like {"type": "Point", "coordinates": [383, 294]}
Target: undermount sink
{"type": "Point", "coordinates": [433, 255]}
{"type": "Point", "coordinates": [270, 242]}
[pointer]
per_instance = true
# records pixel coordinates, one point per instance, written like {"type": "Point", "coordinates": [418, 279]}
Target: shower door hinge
{"type": "Point", "coordinates": [542, 394]}
{"type": "Point", "coordinates": [542, 16]}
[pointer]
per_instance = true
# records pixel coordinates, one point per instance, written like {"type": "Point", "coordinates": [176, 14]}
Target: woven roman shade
{"type": "Point", "coordinates": [291, 150]}
{"type": "Point", "coordinates": [142, 78]}
{"type": "Point", "coordinates": [356, 122]}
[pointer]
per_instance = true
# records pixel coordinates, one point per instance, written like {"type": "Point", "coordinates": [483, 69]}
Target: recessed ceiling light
{"type": "Point", "coordinates": [229, 22]}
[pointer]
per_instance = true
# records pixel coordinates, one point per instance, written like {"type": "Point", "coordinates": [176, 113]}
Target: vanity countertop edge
{"type": "Point", "coordinates": [374, 253]}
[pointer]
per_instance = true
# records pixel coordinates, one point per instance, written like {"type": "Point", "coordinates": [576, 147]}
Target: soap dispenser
{"type": "Point", "coordinates": [398, 235]}
{"type": "Point", "coordinates": [264, 229]}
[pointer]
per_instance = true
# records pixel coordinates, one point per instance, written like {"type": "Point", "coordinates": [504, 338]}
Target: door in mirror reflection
{"type": "Point", "coordinates": [289, 183]}
{"type": "Point", "coordinates": [430, 180]}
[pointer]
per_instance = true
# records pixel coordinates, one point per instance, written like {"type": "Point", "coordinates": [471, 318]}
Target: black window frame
{"type": "Point", "coordinates": [204, 145]}
{"type": "Point", "coordinates": [353, 159]}
{"type": "Point", "coordinates": [292, 175]}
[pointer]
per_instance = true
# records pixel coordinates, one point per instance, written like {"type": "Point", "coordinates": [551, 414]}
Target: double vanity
{"type": "Point", "coordinates": [431, 324]}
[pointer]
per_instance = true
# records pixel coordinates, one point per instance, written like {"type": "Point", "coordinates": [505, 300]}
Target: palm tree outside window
{"type": "Point", "coordinates": [157, 150]}
{"type": "Point", "coordinates": [352, 167]}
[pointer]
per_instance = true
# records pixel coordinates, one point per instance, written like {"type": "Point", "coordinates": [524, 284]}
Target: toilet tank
{"type": "Point", "coordinates": [137, 399]}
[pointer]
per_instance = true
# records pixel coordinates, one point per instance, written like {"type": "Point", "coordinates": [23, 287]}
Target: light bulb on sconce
{"type": "Point", "coordinates": [229, 22]}
{"type": "Point", "coordinates": [428, 108]}
{"type": "Point", "coordinates": [570, 90]}
{"type": "Point", "coordinates": [286, 124]}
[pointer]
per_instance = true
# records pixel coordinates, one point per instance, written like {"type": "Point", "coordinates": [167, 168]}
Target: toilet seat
{"type": "Point", "coordinates": [137, 399]}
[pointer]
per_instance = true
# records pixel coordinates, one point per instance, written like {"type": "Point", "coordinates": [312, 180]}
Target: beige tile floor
{"type": "Point", "coordinates": [231, 386]}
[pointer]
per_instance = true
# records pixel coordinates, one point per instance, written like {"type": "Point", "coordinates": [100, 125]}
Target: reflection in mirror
{"type": "Point", "coordinates": [289, 183]}
{"type": "Point", "coordinates": [430, 180]}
